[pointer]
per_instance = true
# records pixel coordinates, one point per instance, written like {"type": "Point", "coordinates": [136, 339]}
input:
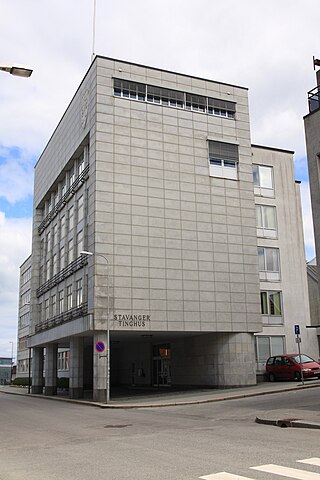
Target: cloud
{"type": "Point", "coordinates": [15, 247]}
{"type": "Point", "coordinates": [16, 174]}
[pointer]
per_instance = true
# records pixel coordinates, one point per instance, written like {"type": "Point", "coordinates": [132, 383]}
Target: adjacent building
{"type": "Point", "coordinates": [161, 232]}
{"type": "Point", "coordinates": [312, 125]}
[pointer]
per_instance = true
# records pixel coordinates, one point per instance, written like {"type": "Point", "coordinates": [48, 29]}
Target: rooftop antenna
{"type": "Point", "coordinates": [94, 30]}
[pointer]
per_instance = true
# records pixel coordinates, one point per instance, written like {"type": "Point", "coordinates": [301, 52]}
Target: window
{"type": "Point", "coordinates": [80, 208]}
{"type": "Point", "coordinates": [53, 305]}
{"type": "Point", "coordinates": [48, 243]}
{"type": "Point", "coordinates": [271, 307]}
{"type": "Point", "coordinates": [268, 346]}
{"type": "Point", "coordinates": [62, 226]}
{"type": "Point", "coordinates": [62, 259]}
{"type": "Point", "coordinates": [60, 300]}
{"type": "Point", "coordinates": [54, 264]}
{"type": "Point", "coordinates": [173, 98]}
{"type": "Point", "coordinates": [63, 187]}
{"type": "Point", "coordinates": [63, 360]}
{"type": "Point", "coordinates": [133, 90]}
{"type": "Point", "coordinates": [223, 159]}
{"type": "Point", "coordinates": [266, 221]}
{"type": "Point", "coordinates": [26, 276]}
{"type": "Point", "coordinates": [222, 108]}
{"type": "Point", "coordinates": [55, 234]}
{"type": "Point", "coordinates": [71, 176]}
{"type": "Point", "coordinates": [69, 297]}
{"type": "Point", "coordinates": [48, 270]}
{"type": "Point", "coordinates": [25, 298]}
{"type": "Point", "coordinates": [46, 309]}
{"type": "Point", "coordinates": [79, 292]}
{"type": "Point", "coordinates": [71, 218]}
{"type": "Point", "coordinates": [269, 263]}
{"type": "Point", "coordinates": [80, 242]}
{"type": "Point", "coordinates": [70, 251]}
{"type": "Point", "coordinates": [263, 181]}
{"type": "Point", "coordinates": [80, 165]}
{"type": "Point", "coordinates": [197, 103]}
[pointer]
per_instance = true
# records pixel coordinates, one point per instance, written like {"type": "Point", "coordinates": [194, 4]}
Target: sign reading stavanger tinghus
{"type": "Point", "coordinates": [128, 320]}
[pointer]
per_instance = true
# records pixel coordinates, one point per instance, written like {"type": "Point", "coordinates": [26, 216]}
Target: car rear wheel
{"type": "Point", "coordinates": [272, 377]}
{"type": "Point", "coordinates": [297, 376]}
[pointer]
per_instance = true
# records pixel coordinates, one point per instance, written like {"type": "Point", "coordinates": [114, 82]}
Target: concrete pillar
{"type": "Point", "coordinates": [76, 368]}
{"type": "Point", "coordinates": [37, 370]}
{"type": "Point", "coordinates": [50, 384]}
{"type": "Point", "coordinates": [100, 369]}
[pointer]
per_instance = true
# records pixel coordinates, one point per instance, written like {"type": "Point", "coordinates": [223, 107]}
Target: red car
{"type": "Point", "coordinates": [288, 367]}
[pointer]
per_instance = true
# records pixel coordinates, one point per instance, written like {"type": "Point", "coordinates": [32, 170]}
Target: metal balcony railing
{"type": "Point", "coordinates": [314, 99]}
{"type": "Point", "coordinates": [64, 273]}
{"type": "Point", "coordinates": [71, 190]}
{"type": "Point", "coordinates": [71, 314]}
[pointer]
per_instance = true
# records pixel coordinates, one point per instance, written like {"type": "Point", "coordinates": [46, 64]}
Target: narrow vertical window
{"type": "Point", "coordinates": [263, 180]}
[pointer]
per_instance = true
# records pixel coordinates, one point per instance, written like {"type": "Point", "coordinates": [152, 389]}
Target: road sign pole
{"type": "Point", "coordinates": [299, 350]}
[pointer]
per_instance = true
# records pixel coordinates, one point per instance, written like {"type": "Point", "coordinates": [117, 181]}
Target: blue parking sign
{"type": "Point", "coordinates": [297, 329]}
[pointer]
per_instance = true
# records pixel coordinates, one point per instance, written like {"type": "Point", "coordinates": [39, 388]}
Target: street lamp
{"type": "Point", "coordinates": [108, 312]}
{"type": "Point", "coordinates": [17, 71]}
{"type": "Point", "coordinates": [11, 362]}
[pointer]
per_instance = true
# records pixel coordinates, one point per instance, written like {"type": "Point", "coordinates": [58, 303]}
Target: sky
{"type": "Point", "coordinates": [265, 45]}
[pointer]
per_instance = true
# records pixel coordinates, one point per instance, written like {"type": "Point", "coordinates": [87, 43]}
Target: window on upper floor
{"type": "Point", "coordinates": [266, 221]}
{"type": "Point", "coordinates": [62, 258]}
{"type": "Point", "coordinates": [69, 297]}
{"type": "Point", "coordinates": [81, 164]}
{"type": "Point", "coordinates": [61, 301]}
{"type": "Point", "coordinates": [70, 250]}
{"type": "Point", "coordinates": [269, 263]}
{"type": "Point", "coordinates": [174, 98]}
{"type": "Point", "coordinates": [271, 307]}
{"type": "Point", "coordinates": [71, 218]}
{"type": "Point", "coordinates": [53, 305]}
{"type": "Point", "coordinates": [223, 160]}
{"type": "Point", "coordinates": [263, 180]}
{"type": "Point", "coordinates": [80, 208]}
{"type": "Point", "coordinates": [55, 234]}
{"type": "Point", "coordinates": [126, 89]}
{"type": "Point", "coordinates": [80, 242]}
{"type": "Point", "coordinates": [79, 292]}
{"type": "Point", "coordinates": [62, 226]}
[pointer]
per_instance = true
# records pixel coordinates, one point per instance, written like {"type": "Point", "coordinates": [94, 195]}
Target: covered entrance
{"type": "Point", "coordinates": [161, 365]}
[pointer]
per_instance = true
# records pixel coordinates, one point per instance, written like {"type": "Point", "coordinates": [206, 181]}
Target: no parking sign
{"type": "Point", "coordinates": [100, 347]}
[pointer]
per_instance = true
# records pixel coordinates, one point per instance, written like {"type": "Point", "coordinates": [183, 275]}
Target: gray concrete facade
{"type": "Point", "coordinates": [174, 272]}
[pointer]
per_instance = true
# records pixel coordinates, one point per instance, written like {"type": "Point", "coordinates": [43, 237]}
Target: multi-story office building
{"type": "Point", "coordinates": [150, 173]}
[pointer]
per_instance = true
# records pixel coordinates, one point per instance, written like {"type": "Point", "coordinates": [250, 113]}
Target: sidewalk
{"type": "Point", "coordinates": [150, 398]}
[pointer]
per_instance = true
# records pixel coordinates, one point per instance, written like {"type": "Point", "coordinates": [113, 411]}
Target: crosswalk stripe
{"type": "Point", "coordinates": [224, 476]}
{"type": "Point", "coordinates": [311, 461]}
{"type": "Point", "coordinates": [288, 472]}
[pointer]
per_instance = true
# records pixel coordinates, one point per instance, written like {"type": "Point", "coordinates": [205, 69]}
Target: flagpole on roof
{"type": "Point", "coordinates": [94, 29]}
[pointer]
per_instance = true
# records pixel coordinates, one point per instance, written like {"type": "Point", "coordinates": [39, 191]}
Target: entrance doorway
{"type": "Point", "coordinates": [161, 365]}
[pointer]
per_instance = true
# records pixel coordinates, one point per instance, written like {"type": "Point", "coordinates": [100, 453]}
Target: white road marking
{"type": "Point", "coordinates": [288, 472]}
{"type": "Point", "coordinates": [311, 461]}
{"type": "Point", "coordinates": [224, 476]}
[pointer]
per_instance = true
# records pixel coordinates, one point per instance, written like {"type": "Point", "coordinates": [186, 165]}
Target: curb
{"type": "Point", "coordinates": [288, 422]}
{"type": "Point", "coordinates": [174, 403]}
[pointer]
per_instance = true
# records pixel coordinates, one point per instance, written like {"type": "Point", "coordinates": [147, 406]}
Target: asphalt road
{"type": "Point", "coordinates": [44, 439]}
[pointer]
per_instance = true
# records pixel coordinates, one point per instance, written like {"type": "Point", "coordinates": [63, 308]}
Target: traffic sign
{"type": "Point", "coordinates": [297, 329]}
{"type": "Point", "coordinates": [100, 346]}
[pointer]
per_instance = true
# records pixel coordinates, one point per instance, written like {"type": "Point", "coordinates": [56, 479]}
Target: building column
{"type": "Point", "coordinates": [100, 369]}
{"type": "Point", "coordinates": [37, 370]}
{"type": "Point", "coordinates": [76, 368]}
{"type": "Point", "coordinates": [50, 384]}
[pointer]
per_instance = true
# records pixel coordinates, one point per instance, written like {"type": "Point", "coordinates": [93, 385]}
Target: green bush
{"type": "Point", "coordinates": [22, 381]}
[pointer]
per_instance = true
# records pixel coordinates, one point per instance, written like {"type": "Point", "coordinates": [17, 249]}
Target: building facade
{"type": "Point", "coordinates": [312, 125]}
{"type": "Point", "coordinates": [282, 267]}
{"type": "Point", "coordinates": [145, 235]}
{"type": "Point", "coordinates": [24, 321]}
